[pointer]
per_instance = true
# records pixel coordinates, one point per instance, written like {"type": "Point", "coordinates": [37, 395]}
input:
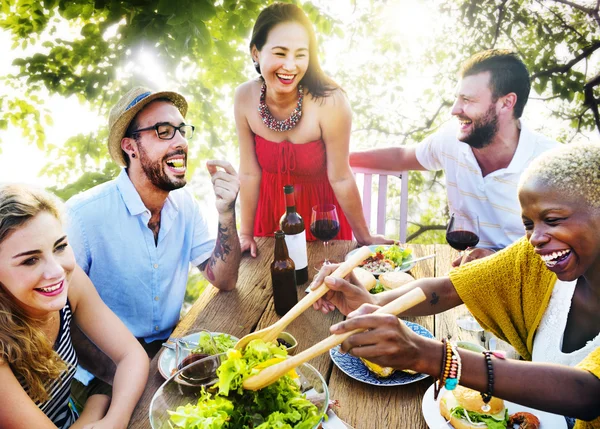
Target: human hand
{"type": "Point", "coordinates": [472, 254]}
{"type": "Point", "coordinates": [226, 184]}
{"type": "Point", "coordinates": [387, 341]}
{"type": "Point", "coordinates": [247, 243]}
{"type": "Point", "coordinates": [375, 239]}
{"type": "Point", "coordinates": [344, 295]}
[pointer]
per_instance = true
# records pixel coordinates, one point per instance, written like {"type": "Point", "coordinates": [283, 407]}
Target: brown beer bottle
{"type": "Point", "coordinates": [283, 277]}
{"type": "Point", "coordinates": [292, 225]}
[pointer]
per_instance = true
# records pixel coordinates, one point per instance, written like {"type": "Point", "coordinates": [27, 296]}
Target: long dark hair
{"type": "Point", "coordinates": [315, 80]}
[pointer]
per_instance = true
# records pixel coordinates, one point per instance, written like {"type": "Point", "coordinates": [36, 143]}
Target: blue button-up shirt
{"type": "Point", "coordinates": [142, 282]}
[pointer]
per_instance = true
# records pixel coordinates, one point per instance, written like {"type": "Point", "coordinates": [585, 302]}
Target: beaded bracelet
{"type": "Point", "coordinates": [455, 370]}
{"type": "Point", "coordinates": [487, 396]}
{"type": "Point", "coordinates": [437, 385]}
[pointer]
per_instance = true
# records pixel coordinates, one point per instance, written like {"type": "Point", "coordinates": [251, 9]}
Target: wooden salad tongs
{"type": "Point", "coordinates": [271, 374]}
{"type": "Point", "coordinates": [270, 333]}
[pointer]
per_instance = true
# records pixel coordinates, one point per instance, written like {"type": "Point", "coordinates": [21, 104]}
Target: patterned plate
{"type": "Point", "coordinates": [353, 366]}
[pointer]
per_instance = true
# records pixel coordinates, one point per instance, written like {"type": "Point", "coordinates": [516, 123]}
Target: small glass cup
{"type": "Point", "coordinates": [184, 354]}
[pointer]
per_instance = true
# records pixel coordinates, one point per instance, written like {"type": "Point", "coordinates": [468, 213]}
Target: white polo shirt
{"type": "Point", "coordinates": [493, 197]}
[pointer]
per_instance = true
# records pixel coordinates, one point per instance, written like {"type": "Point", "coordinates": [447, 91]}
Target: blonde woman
{"type": "Point", "coordinates": [42, 291]}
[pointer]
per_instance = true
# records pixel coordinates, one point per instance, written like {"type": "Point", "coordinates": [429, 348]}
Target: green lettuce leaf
{"type": "Point", "coordinates": [280, 405]}
{"type": "Point", "coordinates": [378, 288]}
{"type": "Point", "coordinates": [395, 253]}
{"type": "Point", "coordinates": [220, 343]}
{"type": "Point", "coordinates": [491, 422]}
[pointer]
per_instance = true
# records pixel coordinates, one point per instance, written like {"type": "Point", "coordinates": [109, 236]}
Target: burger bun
{"type": "Point", "coordinates": [365, 278]}
{"type": "Point", "coordinates": [470, 400]}
{"type": "Point", "coordinates": [395, 279]}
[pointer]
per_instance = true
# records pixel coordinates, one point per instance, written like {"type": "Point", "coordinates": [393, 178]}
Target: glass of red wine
{"type": "Point", "coordinates": [463, 232]}
{"type": "Point", "coordinates": [325, 225]}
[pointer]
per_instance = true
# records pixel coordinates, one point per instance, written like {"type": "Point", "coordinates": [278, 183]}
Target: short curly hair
{"type": "Point", "coordinates": [573, 169]}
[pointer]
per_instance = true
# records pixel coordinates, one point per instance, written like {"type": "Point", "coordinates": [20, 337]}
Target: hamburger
{"type": "Point", "coordinates": [462, 407]}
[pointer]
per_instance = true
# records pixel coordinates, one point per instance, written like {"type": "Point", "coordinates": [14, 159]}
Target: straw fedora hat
{"type": "Point", "coordinates": [125, 110]}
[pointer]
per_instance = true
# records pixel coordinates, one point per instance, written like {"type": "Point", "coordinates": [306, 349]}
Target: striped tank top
{"type": "Point", "coordinates": [57, 407]}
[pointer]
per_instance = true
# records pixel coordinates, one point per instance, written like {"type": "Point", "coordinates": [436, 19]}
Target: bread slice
{"type": "Point", "coordinates": [395, 279]}
{"type": "Point", "coordinates": [365, 278]}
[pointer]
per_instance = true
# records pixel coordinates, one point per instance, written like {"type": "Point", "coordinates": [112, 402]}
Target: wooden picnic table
{"type": "Point", "coordinates": [250, 307]}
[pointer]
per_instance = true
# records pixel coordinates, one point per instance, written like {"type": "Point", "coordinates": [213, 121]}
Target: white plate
{"type": "Point", "coordinates": [405, 267]}
{"type": "Point", "coordinates": [433, 418]}
{"type": "Point", "coordinates": [353, 367]}
{"type": "Point", "coordinates": [166, 360]}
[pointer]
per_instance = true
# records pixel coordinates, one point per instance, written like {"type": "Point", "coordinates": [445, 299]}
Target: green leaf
{"type": "Point", "coordinates": [177, 20]}
{"type": "Point", "coordinates": [203, 10]}
{"type": "Point", "coordinates": [89, 29]}
{"type": "Point", "coordinates": [167, 7]}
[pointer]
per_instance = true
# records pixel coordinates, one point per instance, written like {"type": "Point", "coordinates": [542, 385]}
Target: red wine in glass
{"type": "Point", "coordinates": [462, 233]}
{"type": "Point", "coordinates": [462, 240]}
{"type": "Point", "coordinates": [325, 229]}
{"type": "Point", "coordinates": [325, 225]}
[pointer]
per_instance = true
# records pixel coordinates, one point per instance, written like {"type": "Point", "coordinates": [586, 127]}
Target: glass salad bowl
{"type": "Point", "coordinates": [184, 387]}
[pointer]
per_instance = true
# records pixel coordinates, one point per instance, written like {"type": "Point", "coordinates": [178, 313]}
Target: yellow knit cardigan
{"type": "Point", "coordinates": [508, 294]}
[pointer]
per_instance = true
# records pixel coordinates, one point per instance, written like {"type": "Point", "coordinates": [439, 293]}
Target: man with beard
{"type": "Point", "coordinates": [136, 235]}
{"type": "Point", "coordinates": [483, 160]}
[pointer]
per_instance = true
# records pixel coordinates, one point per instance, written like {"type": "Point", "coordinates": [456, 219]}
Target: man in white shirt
{"type": "Point", "coordinates": [484, 158]}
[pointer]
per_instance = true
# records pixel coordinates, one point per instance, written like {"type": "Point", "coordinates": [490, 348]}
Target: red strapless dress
{"type": "Point", "coordinates": [301, 165]}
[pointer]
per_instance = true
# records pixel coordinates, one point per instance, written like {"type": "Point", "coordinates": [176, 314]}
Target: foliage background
{"type": "Point", "coordinates": [396, 60]}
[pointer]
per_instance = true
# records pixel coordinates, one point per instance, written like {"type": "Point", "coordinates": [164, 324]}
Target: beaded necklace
{"type": "Point", "coordinates": [270, 121]}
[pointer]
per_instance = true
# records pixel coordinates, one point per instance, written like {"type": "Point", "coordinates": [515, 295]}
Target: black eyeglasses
{"type": "Point", "coordinates": [166, 131]}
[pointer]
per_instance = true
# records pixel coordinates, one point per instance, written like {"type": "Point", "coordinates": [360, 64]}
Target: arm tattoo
{"type": "Point", "coordinates": [222, 249]}
{"type": "Point", "coordinates": [434, 298]}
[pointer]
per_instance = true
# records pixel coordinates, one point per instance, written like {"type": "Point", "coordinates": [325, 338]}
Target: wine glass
{"type": "Point", "coordinates": [463, 232]}
{"type": "Point", "coordinates": [325, 225]}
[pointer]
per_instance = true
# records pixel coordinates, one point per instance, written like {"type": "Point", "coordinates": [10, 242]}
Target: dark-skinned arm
{"type": "Point", "coordinates": [554, 388]}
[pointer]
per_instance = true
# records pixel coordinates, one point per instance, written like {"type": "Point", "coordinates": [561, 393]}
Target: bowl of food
{"type": "Point", "coordinates": [210, 390]}
{"type": "Point", "coordinates": [288, 341]}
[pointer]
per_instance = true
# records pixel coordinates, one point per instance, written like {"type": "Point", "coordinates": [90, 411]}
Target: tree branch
{"type": "Point", "coordinates": [591, 101]}
{"type": "Point", "coordinates": [429, 122]}
{"type": "Point", "coordinates": [588, 10]}
{"type": "Point", "coordinates": [584, 9]}
{"type": "Point", "coordinates": [424, 228]}
{"type": "Point", "coordinates": [499, 23]}
{"type": "Point", "coordinates": [559, 17]}
{"type": "Point", "coordinates": [566, 67]}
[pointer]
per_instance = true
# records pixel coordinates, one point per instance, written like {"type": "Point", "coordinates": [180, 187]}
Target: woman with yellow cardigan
{"type": "Point", "coordinates": [541, 294]}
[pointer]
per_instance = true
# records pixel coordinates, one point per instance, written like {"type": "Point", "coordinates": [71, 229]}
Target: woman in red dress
{"type": "Point", "coordinates": [293, 125]}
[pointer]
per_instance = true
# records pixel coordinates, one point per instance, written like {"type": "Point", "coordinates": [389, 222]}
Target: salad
{"type": "Point", "coordinates": [214, 344]}
{"type": "Point", "coordinates": [228, 405]}
{"type": "Point", "coordinates": [386, 258]}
